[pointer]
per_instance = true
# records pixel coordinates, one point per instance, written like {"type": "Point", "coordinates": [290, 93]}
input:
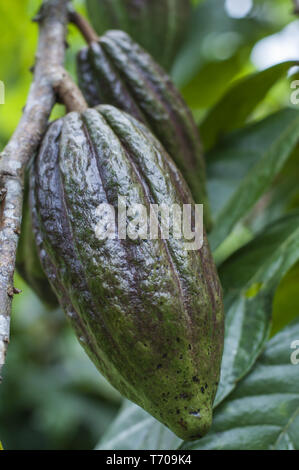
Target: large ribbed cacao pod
{"type": "Point", "coordinates": [117, 71]}
{"type": "Point", "coordinates": [158, 25]}
{"type": "Point", "coordinates": [28, 263]}
{"type": "Point", "coordinates": [148, 312]}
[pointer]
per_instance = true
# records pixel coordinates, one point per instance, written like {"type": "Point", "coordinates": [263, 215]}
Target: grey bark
{"type": "Point", "coordinates": [50, 79]}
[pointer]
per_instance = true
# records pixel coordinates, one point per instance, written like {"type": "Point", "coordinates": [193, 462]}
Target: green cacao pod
{"type": "Point", "coordinates": [158, 25]}
{"type": "Point", "coordinates": [148, 312]}
{"type": "Point", "coordinates": [117, 71]}
{"type": "Point", "coordinates": [28, 263]}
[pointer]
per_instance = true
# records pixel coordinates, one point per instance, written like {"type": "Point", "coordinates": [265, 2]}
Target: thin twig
{"type": "Point", "coordinates": [296, 7]}
{"type": "Point", "coordinates": [83, 26]}
{"type": "Point", "coordinates": [68, 92]}
{"type": "Point", "coordinates": [48, 77]}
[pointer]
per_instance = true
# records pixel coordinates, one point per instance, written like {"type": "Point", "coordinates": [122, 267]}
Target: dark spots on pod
{"type": "Point", "coordinates": [178, 371]}
{"type": "Point", "coordinates": [195, 379]}
{"type": "Point", "coordinates": [197, 436]}
{"type": "Point", "coordinates": [164, 356]}
{"type": "Point", "coordinates": [195, 413]}
{"type": "Point", "coordinates": [178, 412]}
{"type": "Point", "coordinates": [181, 356]}
{"type": "Point", "coordinates": [202, 390]}
{"type": "Point", "coordinates": [206, 386]}
{"type": "Point", "coordinates": [159, 366]}
{"type": "Point", "coordinates": [183, 423]}
{"type": "Point", "coordinates": [189, 347]}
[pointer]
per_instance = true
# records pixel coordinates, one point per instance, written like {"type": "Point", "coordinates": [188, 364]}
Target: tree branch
{"type": "Point", "coordinates": [296, 7]}
{"type": "Point", "coordinates": [83, 26]}
{"type": "Point", "coordinates": [48, 77]}
{"type": "Point", "coordinates": [68, 92]}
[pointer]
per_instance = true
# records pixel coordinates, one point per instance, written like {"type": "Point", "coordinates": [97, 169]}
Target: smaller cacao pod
{"type": "Point", "coordinates": [116, 71]}
{"type": "Point", "coordinates": [27, 262]}
{"type": "Point", "coordinates": [148, 312]}
{"type": "Point", "coordinates": [158, 25]}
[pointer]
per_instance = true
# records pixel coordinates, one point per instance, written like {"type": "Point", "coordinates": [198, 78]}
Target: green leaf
{"type": "Point", "coordinates": [243, 96]}
{"type": "Point", "coordinates": [245, 165]}
{"type": "Point", "coordinates": [250, 278]}
{"type": "Point", "coordinates": [263, 411]}
{"type": "Point", "coordinates": [1, 447]}
{"type": "Point", "coordinates": [285, 304]}
{"type": "Point", "coordinates": [207, 79]}
{"type": "Point", "coordinates": [135, 429]}
{"type": "Point", "coordinates": [282, 197]}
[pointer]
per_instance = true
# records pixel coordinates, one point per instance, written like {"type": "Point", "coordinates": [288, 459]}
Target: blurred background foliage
{"type": "Point", "coordinates": [52, 396]}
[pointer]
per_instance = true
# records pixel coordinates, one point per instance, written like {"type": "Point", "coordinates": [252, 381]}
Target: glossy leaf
{"type": "Point", "coordinates": [285, 305]}
{"type": "Point", "coordinates": [250, 278]}
{"type": "Point", "coordinates": [135, 429]}
{"type": "Point", "coordinates": [263, 411]}
{"type": "Point", "coordinates": [243, 96]}
{"type": "Point", "coordinates": [281, 198]}
{"type": "Point", "coordinates": [243, 167]}
{"type": "Point", "coordinates": [205, 89]}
